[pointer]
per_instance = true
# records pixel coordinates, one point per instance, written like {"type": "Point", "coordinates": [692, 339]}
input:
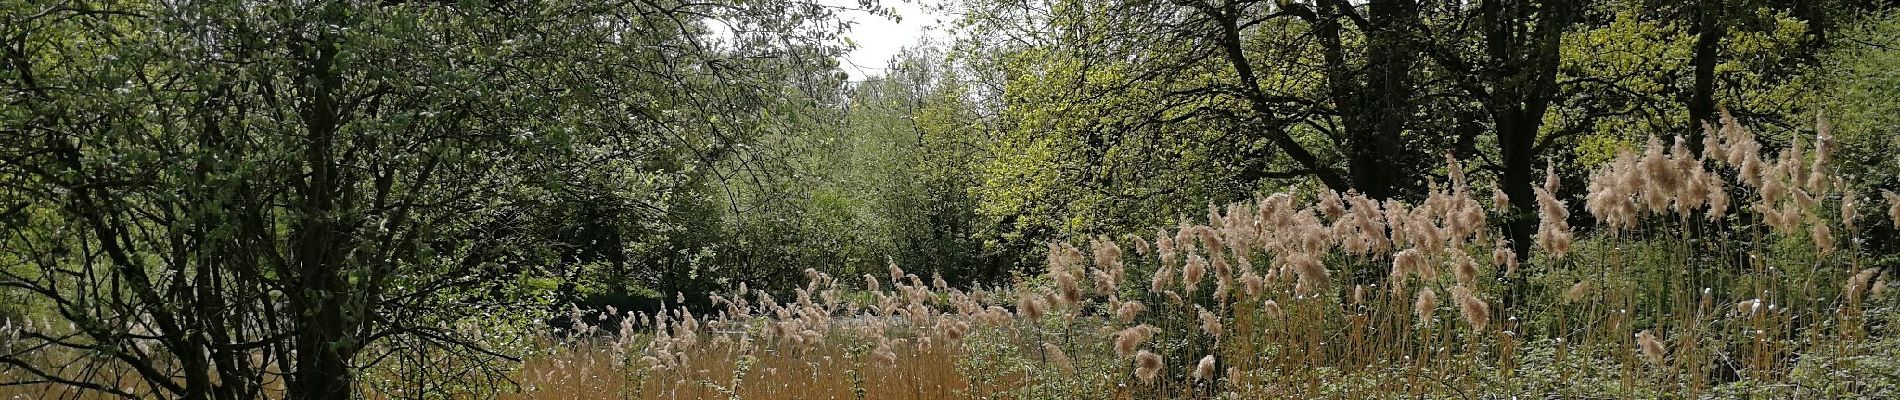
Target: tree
{"type": "Point", "coordinates": [218, 195]}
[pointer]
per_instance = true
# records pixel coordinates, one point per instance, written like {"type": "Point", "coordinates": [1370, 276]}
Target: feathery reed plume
{"type": "Point", "coordinates": [1311, 272]}
{"type": "Point", "coordinates": [1791, 161]}
{"type": "Point", "coordinates": [1772, 188]}
{"type": "Point", "coordinates": [1652, 348]}
{"type": "Point", "coordinates": [1407, 261]}
{"type": "Point", "coordinates": [1273, 309]}
{"type": "Point", "coordinates": [884, 354]}
{"type": "Point", "coordinates": [1164, 247]}
{"type": "Point", "coordinates": [1748, 307]}
{"type": "Point", "coordinates": [1880, 288]}
{"type": "Point", "coordinates": [1695, 191]}
{"type": "Point", "coordinates": [1893, 205]}
{"type": "Point", "coordinates": [1823, 237]}
{"type": "Point", "coordinates": [1205, 369]}
{"type": "Point", "coordinates": [1210, 323]}
{"type": "Point", "coordinates": [1068, 291]}
{"type": "Point", "coordinates": [1104, 282]}
{"type": "Point", "coordinates": [1192, 274]}
{"type": "Point", "coordinates": [1032, 307]}
{"type": "Point", "coordinates": [1427, 302]}
{"type": "Point", "coordinates": [1463, 267]}
{"type": "Point", "coordinates": [1577, 292]}
{"type": "Point", "coordinates": [1712, 145]}
{"type": "Point", "coordinates": [1499, 200]}
{"type": "Point", "coordinates": [1141, 245]}
{"type": "Point", "coordinates": [1850, 213]}
{"type": "Point", "coordinates": [1163, 276]}
{"type": "Point", "coordinates": [1129, 310]}
{"type": "Point", "coordinates": [1330, 204]}
{"type": "Point", "coordinates": [1735, 138]}
{"type": "Point", "coordinates": [1147, 366]}
{"type": "Point", "coordinates": [1553, 227]}
{"type": "Point", "coordinates": [1503, 255]}
{"type": "Point", "coordinates": [953, 331]}
{"type": "Point", "coordinates": [1252, 283]}
{"type": "Point", "coordinates": [1609, 193]}
{"type": "Point", "coordinates": [1126, 340]}
{"type": "Point", "coordinates": [1222, 275]}
{"type": "Point", "coordinates": [1718, 198]}
{"type": "Point", "coordinates": [1475, 311]}
{"type": "Point", "coordinates": [1824, 144]}
{"type": "Point", "coordinates": [1057, 357]}
{"type": "Point", "coordinates": [1108, 254]}
{"type": "Point", "coordinates": [1858, 283]}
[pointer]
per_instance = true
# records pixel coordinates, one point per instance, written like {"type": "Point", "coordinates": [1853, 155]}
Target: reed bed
{"type": "Point", "coordinates": [1733, 272]}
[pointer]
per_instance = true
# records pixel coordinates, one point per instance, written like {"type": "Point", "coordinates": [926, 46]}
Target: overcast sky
{"type": "Point", "coordinates": [879, 38]}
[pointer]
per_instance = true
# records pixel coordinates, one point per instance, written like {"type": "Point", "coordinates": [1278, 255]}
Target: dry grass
{"type": "Point", "coordinates": [1681, 294]}
{"type": "Point", "coordinates": [1734, 272]}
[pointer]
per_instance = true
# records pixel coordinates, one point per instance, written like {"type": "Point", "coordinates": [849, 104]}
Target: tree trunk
{"type": "Point", "coordinates": [1386, 101]}
{"type": "Point", "coordinates": [321, 295]}
{"type": "Point", "coordinates": [1517, 137]}
{"type": "Point", "coordinates": [1374, 103]}
{"type": "Point", "coordinates": [1702, 96]}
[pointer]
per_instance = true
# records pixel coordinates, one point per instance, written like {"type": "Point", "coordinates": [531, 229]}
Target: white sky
{"type": "Point", "coordinates": [878, 38]}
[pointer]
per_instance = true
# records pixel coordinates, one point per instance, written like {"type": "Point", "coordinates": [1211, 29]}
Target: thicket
{"type": "Point", "coordinates": [1735, 272]}
{"type": "Point", "coordinates": [230, 199]}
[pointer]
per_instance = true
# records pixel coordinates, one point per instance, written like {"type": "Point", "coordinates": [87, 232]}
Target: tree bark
{"type": "Point", "coordinates": [323, 338]}
{"type": "Point", "coordinates": [1522, 82]}
{"type": "Point", "coordinates": [1709, 33]}
{"type": "Point", "coordinates": [1382, 105]}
